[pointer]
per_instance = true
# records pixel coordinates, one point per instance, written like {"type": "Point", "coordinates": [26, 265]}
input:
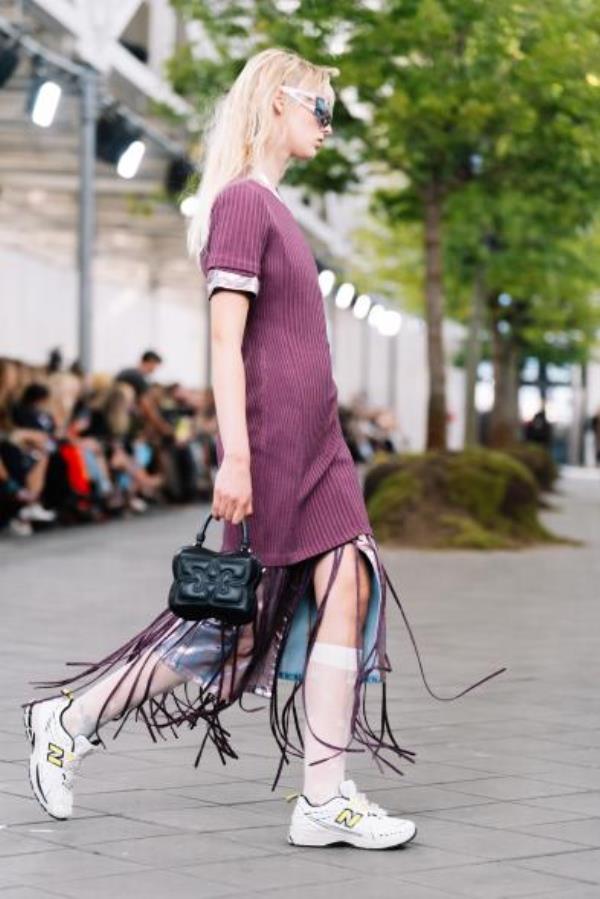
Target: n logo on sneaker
{"type": "Point", "coordinates": [55, 755]}
{"type": "Point", "coordinates": [348, 817]}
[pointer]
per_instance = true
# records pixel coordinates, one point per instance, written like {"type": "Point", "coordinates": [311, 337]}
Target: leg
{"type": "Point", "coordinates": [36, 477]}
{"type": "Point", "coordinates": [331, 672]}
{"type": "Point", "coordinates": [120, 691]}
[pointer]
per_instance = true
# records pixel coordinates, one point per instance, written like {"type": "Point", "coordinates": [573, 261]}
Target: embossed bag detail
{"type": "Point", "coordinates": [211, 584]}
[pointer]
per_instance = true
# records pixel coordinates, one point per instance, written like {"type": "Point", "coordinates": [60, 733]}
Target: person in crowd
{"type": "Point", "coordinates": [539, 430]}
{"type": "Point", "coordinates": [33, 410]}
{"type": "Point", "coordinates": [19, 506]}
{"type": "Point", "coordinates": [24, 449]}
{"type": "Point", "coordinates": [139, 378]}
{"type": "Point", "coordinates": [128, 455]}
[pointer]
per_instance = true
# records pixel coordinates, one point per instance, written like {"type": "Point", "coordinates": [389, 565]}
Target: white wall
{"type": "Point", "coordinates": [38, 311]}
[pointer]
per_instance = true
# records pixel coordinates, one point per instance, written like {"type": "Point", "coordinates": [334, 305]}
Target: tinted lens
{"type": "Point", "coordinates": [322, 111]}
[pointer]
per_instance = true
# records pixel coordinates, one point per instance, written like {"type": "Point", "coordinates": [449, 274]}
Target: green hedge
{"type": "Point", "coordinates": [478, 498]}
{"type": "Point", "coordinates": [539, 462]}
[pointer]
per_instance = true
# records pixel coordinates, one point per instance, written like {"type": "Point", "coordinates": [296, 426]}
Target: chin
{"type": "Point", "coordinates": [307, 152]}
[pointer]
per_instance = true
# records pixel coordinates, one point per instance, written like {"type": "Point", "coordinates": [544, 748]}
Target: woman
{"type": "Point", "coordinates": [285, 466]}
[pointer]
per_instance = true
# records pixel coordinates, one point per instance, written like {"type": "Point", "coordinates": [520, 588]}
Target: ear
{"type": "Point", "coordinates": [278, 101]}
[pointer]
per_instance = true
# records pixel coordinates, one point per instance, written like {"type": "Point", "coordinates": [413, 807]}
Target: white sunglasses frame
{"type": "Point", "coordinates": [296, 93]}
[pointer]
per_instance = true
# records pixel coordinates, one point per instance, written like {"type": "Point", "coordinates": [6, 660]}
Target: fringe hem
{"type": "Point", "coordinates": [230, 663]}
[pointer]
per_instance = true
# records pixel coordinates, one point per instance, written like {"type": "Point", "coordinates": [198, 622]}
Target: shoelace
{"type": "Point", "coordinates": [361, 803]}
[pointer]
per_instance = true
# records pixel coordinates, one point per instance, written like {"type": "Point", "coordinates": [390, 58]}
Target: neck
{"type": "Point", "coordinates": [273, 166]}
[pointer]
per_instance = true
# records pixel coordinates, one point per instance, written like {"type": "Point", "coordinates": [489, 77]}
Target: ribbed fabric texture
{"type": "Point", "coordinates": [306, 493]}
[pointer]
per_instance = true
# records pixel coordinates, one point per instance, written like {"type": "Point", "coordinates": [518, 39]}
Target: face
{"type": "Point", "coordinates": [301, 131]}
{"type": "Point", "coordinates": [150, 366]}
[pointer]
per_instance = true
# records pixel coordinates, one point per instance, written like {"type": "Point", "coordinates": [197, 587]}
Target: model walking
{"type": "Point", "coordinates": [284, 465]}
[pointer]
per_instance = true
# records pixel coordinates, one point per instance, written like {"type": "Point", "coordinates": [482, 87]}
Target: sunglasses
{"type": "Point", "coordinates": [320, 108]}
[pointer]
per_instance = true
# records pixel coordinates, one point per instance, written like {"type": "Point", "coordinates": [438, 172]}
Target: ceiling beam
{"type": "Point", "coordinates": [87, 23]}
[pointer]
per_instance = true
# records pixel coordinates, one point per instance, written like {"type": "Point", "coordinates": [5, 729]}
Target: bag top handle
{"type": "Point", "coordinates": [244, 545]}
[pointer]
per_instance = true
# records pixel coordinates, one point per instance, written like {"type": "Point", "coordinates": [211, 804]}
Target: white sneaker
{"type": "Point", "coordinates": [55, 755]}
{"type": "Point", "coordinates": [20, 528]}
{"type": "Point", "coordinates": [36, 512]}
{"type": "Point", "coordinates": [350, 818]}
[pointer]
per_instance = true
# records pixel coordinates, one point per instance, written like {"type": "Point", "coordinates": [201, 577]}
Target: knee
{"type": "Point", "coordinates": [351, 588]}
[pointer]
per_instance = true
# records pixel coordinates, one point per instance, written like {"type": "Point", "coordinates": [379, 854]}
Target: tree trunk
{"type": "Point", "coordinates": [473, 358]}
{"type": "Point", "coordinates": [504, 421]}
{"type": "Point", "coordinates": [434, 297]}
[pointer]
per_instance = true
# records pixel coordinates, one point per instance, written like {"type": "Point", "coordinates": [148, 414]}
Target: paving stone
{"type": "Point", "coordinates": [583, 865]}
{"type": "Point", "coordinates": [23, 809]}
{"type": "Point", "coordinates": [178, 850]}
{"type": "Point", "coordinates": [579, 891]}
{"type": "Point", "coordinates": [582, 803]}
{"type": "Point", "coordinates": [585, 831]}
{"type": "Point", "coordinates": [89, 831]}
{"type": "Point", "coordinates": [401, 862]}
{"type": "Point", "coordinates": [146, 885]}
{"type": "Point", "coordinates": [510, 788]}
{"type": "Point", "coordinates": [272, 872]}
{"type": "Point", "coordinates": [55, 866]}
{"type": "Point", "coordinates": [135, 802]}
{"type": "Point", "coordinates": [25, 893]}
{"type": "Point", "coordinates": [511, 815]}
{"type": "Point", "coordinates": [492, 880]}
{"type": "Point", "coordinates": [13, 843]}
{"type": "Point", "coordinates": [206, 819]}
{"type": "Point", "coordinates": [373, 886]}
{"type": "Point", "coordinates": [232, 793]}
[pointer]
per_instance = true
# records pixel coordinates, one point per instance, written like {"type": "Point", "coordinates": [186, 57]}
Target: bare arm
{"type": "Point", "coordinates": [232, 496]}
{"type": "Point", "coordinates": [152, 414]}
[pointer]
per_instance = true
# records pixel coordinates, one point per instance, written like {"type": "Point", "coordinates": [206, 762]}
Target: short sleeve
{"type": "Point", "coordinates": [239, 224]}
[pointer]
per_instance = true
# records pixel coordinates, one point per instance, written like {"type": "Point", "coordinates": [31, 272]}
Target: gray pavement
{"type": "Point", "coordinates": [505, 790]}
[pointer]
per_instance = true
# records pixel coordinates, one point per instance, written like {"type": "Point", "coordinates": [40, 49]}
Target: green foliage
{"type": "Point", "coordinates": [495, 104]}
{"type": "Point", "coordinates": [390, 256]}
{"type": "Point", "coordinates": [477, 498]}
{"type": "Point", "coordinates": [539, 462]}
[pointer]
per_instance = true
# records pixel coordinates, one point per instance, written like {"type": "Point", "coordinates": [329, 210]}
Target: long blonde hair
{"type": "Point", "coordinates": [242, 123]}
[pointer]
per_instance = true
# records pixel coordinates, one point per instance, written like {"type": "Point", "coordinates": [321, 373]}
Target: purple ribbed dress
{"type": "Point", "coordinates": [306, 492]}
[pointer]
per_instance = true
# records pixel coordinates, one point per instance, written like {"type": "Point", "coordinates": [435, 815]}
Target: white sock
{"type": "Point", "coordinates": [84, 713]}
{"type": "Point", "coordinates": [328, 696]}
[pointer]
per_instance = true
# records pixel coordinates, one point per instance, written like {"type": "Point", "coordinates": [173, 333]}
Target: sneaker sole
{"type": "Point", "coordinates": [34, 783]}
{"type": "Point", "coordinates": [323, 840]}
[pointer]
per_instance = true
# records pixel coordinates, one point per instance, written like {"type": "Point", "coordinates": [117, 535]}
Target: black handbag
{"type": "Point", "coordinates": [212, 584]}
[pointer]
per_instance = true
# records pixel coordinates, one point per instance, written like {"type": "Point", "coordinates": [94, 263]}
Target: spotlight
{"type": "Point", "coordinates": [188, 206]}
{"type": "Point", "coordinates": [180, 171]}
{"type": "Point", "coordinates": [43, 101]}
{"type": "Point", "coordinates": [344, 295]}
{"type": "Point", "coordinates": [390, 323]}
{"type": "Point", "coordinates": [130, 159]}
{"type": "Point", "coordinates": [9, 60]}
{"type": "Point", "coordinates": [362, 305]}
{"type": "Point", "coordinates": [114, 134]}
{"type": "Point", "coordinates": [326, 281]}
{"type": "Point", "coordinates": [376, 315]}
